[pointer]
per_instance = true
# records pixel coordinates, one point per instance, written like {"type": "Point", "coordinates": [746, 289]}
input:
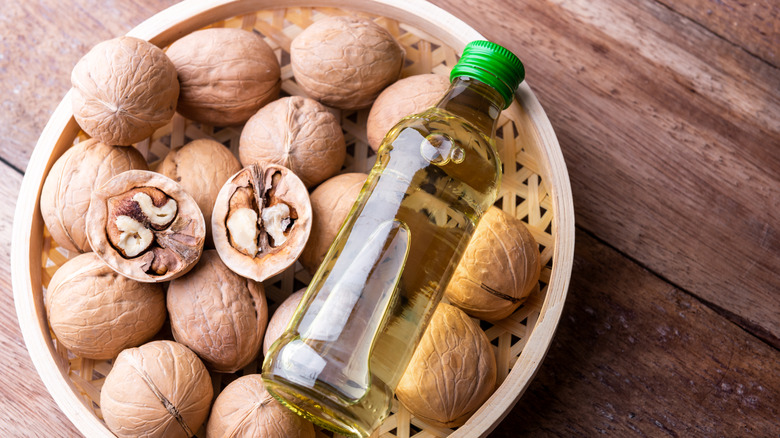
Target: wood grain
{"type": "Point", "coordinates": [636, 357]}
{"type": "Point", "coordinates": [26, 408]}
{"type": "Point", "coordinates": [670, 134]}
{"type": "Point", "coordinates": [42, 41]}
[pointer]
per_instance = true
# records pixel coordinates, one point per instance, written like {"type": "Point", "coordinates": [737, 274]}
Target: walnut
{"type": "Point", "coordinates": [218, 314]}
{"type": "Point", "coordinates": [226, 75]}
{"type": "Point", "coordinates": [261, 220]}
{"type": "Point", "coordinates": [452, 372]}
{"type": "Point", "coordinates": [298, 133]}
{"type": "Point", "coordinates": [160, 389]}
{"type": "Point", "coordinates": [69, 185]}
{"type": "Point", "coordinates": [201, 167]}
{"type": "Point", "coordinates": [244, 409]}
{"type": "Point", "coordinates": [96, 313]}
{"type": "Point", "coordinates": [145, 227]}
{"type": "Point", "coordinates": [123, 90]}
{"type": "Point", "coordinates": [281, 318]}
{"type": "Point", "coordinates": [499, 268]}
{"type": "Point", "coordinates": [345, 62]}
{"type": "Point", "coordinates": [407, 96]}
{"type": "Point", "coordinates": [330, 205]}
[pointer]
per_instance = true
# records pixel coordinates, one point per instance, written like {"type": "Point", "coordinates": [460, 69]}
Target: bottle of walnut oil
{"type": "Point", "coordinates": [366, 308]}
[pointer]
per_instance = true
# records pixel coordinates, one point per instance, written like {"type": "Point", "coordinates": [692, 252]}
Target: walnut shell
{"type": "Point", "coordinates": [166, 249]}
{"type": "Point", "coordinates": [201, 167]}
{"type": "Point", "coordinates": [281, 318]}
{"type": "Point", "coordinates": [345, 62]}
{"type": "Point", "coordinates": [297, 133]}
{"type": "Point", "coordinates": [160, 389]}
{"type": "Point", "coordinates": [244, 409]}
{"type": "Point", "coordinates": [261, 220]}
{"type": "Point", "coordinates": [69, 185]}
{"type": "Point", "coordinates": [452, 372]}
{"type": "Point", "coordinates": [218, 314]}
{"type": "Point", "coordinates": [499, 268]}
{"type": "Point", "coordinates": [96, 313]}
{"type": "Point", "coordinates": [405, 97]}
{"type": "Point", "coordinates": [330, 205]}
{"type": "Point", "coordinates": [226, 75]}
{"type": "Point", "coordinates": [123, 90]}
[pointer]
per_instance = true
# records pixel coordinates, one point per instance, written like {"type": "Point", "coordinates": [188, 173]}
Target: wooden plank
{"type": "Point", "coordinates": [26, 408]}
{"type": "Point", "coordinates": [636, 357]}
{"type": "Point", "coordinates": [42, 41]}
{"type": "Point", "coordinates": [754, 25]}
{"type": "Point", "coordinates": [670, 134]}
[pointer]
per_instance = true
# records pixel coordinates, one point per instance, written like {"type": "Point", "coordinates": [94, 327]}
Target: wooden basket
{"type": "Point", "coordinates": [535, 188]}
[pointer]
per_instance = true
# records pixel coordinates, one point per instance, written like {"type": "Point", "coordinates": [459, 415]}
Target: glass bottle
{"type": "Point", "coordinates": [369, 302]}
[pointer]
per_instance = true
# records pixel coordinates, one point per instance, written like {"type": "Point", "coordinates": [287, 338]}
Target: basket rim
{"type": "Point", "coordinates": [174, 22]}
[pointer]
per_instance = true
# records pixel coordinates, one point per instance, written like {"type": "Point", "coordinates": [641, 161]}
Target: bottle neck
{"type": "Point", "coordinates": [474, 101]}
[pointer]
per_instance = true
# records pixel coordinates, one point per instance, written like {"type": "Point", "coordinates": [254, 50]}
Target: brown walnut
{"type": "Point", "coordinates": [297, 133]}
{"type": "Point", "coordinates": [452, 372]}
{"type": "Point", "coordinates": [201, 167]}
{"type": "Point", "coordinates": [123, 90]}
{"type": "Point", "coordinates": [218, 314]}
{"type": "Point", "coordinates": [226, 75]}
{"type": "Point", "coordinates": [244, 409]}
{"type": "Point", "coordinates": [69, 185]}
{"type": "Point", "coordinates": [330, 205]}
{"type": "Point", "coordinates": [96, 313]}
{"type": "Point", "coordinates": [499, 268]}
{"type": "Point", "coordinates": [145, 227]}
{"type": "Point", "coordinates": [158, 390]}
{"type": "Point", "coordinates": [411, 95]}
{"type": "Point", "coordinates": [281, 318]}
{"type": "Point", "coordinates": [261, 220]}
{"type": "Point", "coordinates": [345, 62]}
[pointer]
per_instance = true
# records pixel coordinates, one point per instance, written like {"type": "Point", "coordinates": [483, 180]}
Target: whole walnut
{"type": "Point", "coordinates": [345, 62]}
{"type": "Point", "coordinates": [218, 314]}
{"type": "Point", "coordinates": [244, 409]}
{"type": "Point", "coordinates": [281, 318]}
{"type": "Point", "coordinates": [69, 185]}
{"type": "Point", "coordinates": [405, 97]}
{"type": "Point", "coordinates": [201, 167]}
{"type": "Point", "coordinates": [160, 389]}
{"type": "Point", "coordinates": [499, 268]}
{"type": "Point", "coordinates": [330, 205]}
{"type": "Point", "coordinates": [452, 372]}
{"type": "Point", "coordinates": [96, 313]}
{"type": "Point", "coordinates": [123, 90]}
{"type": "Point", "coordinates": [297, 133]}
{"type": "Point", "coordinates": [226, 75]}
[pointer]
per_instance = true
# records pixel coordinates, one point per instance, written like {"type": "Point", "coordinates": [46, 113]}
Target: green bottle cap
{"type": "Point", "coordinates": [492, 64]}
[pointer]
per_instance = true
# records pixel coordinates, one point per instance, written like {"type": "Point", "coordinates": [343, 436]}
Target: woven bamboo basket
{"type": "Point", "coordinates": [535, 188]}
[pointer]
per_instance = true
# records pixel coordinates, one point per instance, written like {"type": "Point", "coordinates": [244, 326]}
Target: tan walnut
{"type": "Point", "coordinates": [123, 90]}
{"type": "Point", "coordinates": [411, 95]}
{"type": "Point", "coordinates": [452, 372]}
{"type": "Point", "coordinates": [145, 227]}
{"type": "Point", "coordinates": [331, 202]}
{"type": "Point", "coordinates": [244, 409]}
{"type": "Point", "coordinates": [96, 313]}
{"type": "Point", "coordinates": [345, 62]}
{"type": "Point", "coordinates": [499, 268]}
{"type": "Point", "coordinates": [69, 185]}
{"type": "Point", "coordinates": [281, 318]}
{"type": "Point", "coordinates": [261, 220]}
{"type": "Point", "coordinates": [160, 389]}
{"type": "Point", "coordinates": [218, 314]}
{"type": "Point", "coordinates": [226, 75]}
{"type": "Point", "coordinates": [201, 167]}
{"type": "Point", "coordinates": [298, 133]}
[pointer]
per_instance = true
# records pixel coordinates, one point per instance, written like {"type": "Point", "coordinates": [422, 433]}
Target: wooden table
{"type": "Point", "coordinates": [668, 114]}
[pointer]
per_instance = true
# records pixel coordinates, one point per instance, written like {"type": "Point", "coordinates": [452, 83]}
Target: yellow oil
{"type": "Point", "coordinates": [367, 306]}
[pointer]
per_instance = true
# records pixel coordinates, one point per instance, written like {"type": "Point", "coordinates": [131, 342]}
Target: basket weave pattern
{"type": "Point", "coordinates": [523, 194]}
